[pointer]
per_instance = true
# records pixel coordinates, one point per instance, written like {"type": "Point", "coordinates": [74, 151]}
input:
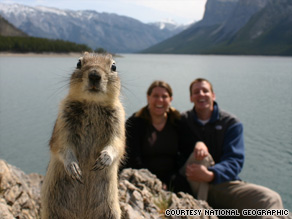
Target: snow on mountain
{"type": "Point", "coordinates": [112, 32]}
{"type": "Point", "coordinates": [169, 24]}
{"type": "Point", "coordinates": [51, 10]}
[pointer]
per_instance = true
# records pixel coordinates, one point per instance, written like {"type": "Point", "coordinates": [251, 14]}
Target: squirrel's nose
{"type": "Point", "coordinates": [94, 77]}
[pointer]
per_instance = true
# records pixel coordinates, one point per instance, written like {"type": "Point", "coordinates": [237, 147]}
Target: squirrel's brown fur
{"type": "Point", "coordinates": [87, 145]}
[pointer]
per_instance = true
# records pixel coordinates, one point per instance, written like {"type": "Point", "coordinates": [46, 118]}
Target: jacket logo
{"type": "Point", "coordinates": [218, 127]}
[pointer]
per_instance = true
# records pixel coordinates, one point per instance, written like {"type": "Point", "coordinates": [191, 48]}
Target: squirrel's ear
{"type": "Point", "coordinates": [79, 63]}
{"type": "Point", "coordinates": [113, 67]}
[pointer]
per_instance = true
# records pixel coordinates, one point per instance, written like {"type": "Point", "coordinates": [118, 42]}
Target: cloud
{"type": "Point", "coordinates": [192, 9]}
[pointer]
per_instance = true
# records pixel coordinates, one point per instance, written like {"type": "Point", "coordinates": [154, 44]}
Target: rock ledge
{"type": "Point", "coordinates": [141, 195]}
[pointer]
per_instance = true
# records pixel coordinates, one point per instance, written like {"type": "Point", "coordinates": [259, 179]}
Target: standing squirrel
{"type": "Point", "coordinates": [87, 145]}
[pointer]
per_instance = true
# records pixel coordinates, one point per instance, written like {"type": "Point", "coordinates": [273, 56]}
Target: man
{"type": "Point", "coordinates": [219, 135]}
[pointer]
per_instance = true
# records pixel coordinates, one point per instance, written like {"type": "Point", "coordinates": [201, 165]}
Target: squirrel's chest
{"type": "Point", "coordinates": [91, 122]}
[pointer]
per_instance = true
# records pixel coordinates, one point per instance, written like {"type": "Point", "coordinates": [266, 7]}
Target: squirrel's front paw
{"type": "Point", "coordinates": [73, 170]}
{"type": "Point", "coordinates": [103, 161]}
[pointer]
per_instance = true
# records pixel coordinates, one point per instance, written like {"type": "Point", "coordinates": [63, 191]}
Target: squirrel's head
{"type": "Point", "coordinates": [95, 78]}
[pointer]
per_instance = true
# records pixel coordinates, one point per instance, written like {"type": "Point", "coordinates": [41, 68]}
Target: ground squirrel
{"type": "Point", "coordinates": [87, 144]}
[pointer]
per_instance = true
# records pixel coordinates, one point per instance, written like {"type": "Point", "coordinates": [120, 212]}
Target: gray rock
{"type": "Point", "coordinates": [141, 195]}
{"type": "Point", "coordinates": [19, 193]}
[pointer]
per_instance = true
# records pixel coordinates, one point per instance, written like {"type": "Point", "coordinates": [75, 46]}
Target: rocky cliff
{"type": "Point", "coordinates": [248, 27]}
{"type": "Point", "coordinates": [141, 195]}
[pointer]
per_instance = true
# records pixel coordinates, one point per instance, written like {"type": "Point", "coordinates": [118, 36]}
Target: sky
{"type": "Point", "coordinates": [180, 11]}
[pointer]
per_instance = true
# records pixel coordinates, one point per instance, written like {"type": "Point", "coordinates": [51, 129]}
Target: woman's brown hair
{"type": "Point", "coordinates": [162, 84]}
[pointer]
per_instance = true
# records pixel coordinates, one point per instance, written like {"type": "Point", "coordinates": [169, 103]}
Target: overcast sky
{"type": "Point", "coordinates": [180, 11]}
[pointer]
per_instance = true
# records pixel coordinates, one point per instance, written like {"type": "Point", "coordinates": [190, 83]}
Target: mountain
{"type": "Point", "coordinates": [249, 27]}
{"type": "Point", "coordinates": [14, 40]}
{"type": "Point", "coordinates": [169, 25]}
{"type": "Point", "coordinates": [7, 29]}
{"type": "Point", "coordinates": [112, 32]}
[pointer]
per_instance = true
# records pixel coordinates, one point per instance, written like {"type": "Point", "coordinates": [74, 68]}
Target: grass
{"type": "Point", "coordinates": [163, 202]}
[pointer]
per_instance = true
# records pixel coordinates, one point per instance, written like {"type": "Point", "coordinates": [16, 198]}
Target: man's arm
{"type": "Point", "coordinates": [232, 160]}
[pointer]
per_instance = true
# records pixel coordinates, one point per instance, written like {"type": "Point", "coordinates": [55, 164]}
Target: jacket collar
{"type": "Point", "coordinates": [214, 116]}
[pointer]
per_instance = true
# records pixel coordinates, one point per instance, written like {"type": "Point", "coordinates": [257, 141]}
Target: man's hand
{"type": "Point", "coordinates": [200, 150]}
{"type": "Point", "coordinates": [199, 173]}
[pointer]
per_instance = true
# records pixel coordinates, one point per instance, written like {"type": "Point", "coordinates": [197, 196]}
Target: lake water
{"type": "Point", "coordinates": [256, 89]}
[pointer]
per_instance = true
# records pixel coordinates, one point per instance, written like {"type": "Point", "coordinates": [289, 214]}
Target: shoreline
{"type": "Point", "coordinates": [46, 54]}
{"type": "Point", "coordinates": [31, 54]}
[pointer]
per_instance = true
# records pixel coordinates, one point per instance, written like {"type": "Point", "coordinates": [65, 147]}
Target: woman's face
{"type": "Point", "coordinates": [158, 101]}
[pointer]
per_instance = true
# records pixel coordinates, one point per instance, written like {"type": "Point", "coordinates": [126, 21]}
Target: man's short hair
{"type": "Point", "coordinates": [200, 80]}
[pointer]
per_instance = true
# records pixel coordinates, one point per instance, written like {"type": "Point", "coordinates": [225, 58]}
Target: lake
{"type": "Point", "coordinates": [258, 90]}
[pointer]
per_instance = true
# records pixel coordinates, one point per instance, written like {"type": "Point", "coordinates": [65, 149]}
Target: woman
{"type": "Point", "coordinates": [152, 135]}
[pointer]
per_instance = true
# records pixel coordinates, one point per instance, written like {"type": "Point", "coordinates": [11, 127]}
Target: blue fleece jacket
{"type": "Point", "coordinates": [223, 135]}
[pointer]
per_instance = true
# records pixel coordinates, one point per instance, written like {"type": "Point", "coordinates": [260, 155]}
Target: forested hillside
{"type": "Point", "coordinates": [39, 45]}
{"type": "Point", "coordinates": [14, 40]}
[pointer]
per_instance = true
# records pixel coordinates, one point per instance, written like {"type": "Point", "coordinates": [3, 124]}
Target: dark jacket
{"type": "Point", "coordinates": [223, 135]}
{"type": "Point", "coordinates": [161, 159]}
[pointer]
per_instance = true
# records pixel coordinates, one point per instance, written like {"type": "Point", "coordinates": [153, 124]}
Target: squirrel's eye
{"type": "Point", "coordinates": [79, 64]}
{"type": "Point", "coordinates": [113, 68]}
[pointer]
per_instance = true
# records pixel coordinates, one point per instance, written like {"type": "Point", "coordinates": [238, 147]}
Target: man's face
{"type": "Point", "coordinates": [202, 96]}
